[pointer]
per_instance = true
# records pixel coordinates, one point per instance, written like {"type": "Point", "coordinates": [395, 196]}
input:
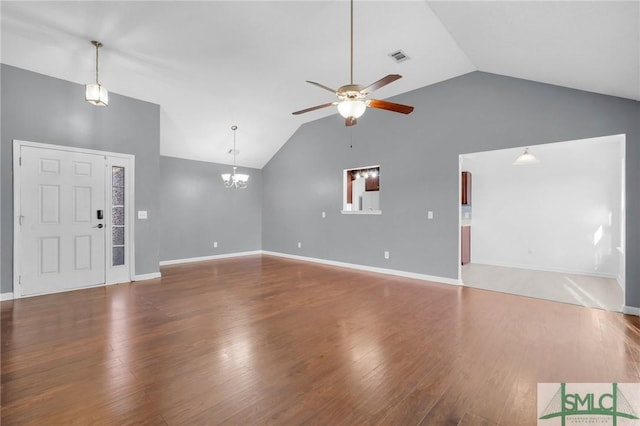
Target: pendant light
{"type": "Point", "coordinates": [95, 93]}
{"type": "Point", "coordinates": [526, 158]}
{"type": "Point", "coordinates": [235, 180]}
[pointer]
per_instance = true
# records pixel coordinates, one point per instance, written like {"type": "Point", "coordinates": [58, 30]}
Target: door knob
{"type": "Point", "coordinates": [99, 225]}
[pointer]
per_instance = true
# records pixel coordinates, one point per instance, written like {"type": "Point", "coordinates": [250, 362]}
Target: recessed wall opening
{"type": "Point", "coordinates": [361, 190]}
{"type": "Point", "coordinates": [552, 228]}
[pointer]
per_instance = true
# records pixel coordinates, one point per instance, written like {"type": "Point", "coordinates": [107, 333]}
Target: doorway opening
{"type": "Point", "coordinates": [552, 228]}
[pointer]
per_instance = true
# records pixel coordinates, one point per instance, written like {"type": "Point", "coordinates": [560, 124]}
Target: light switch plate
{"type": "Point", "coordinates": [142, 214]}
{"type": "Point", "coordinates": [429, 214]}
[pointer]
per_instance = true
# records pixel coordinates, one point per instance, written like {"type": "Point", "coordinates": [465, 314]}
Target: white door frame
{"type": "Point", "coordinates": [112, 159]}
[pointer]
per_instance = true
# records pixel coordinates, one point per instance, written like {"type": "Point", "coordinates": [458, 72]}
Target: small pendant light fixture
{"type": "Point", "coordinates": [235, 180]}
{"type": "Point", "coordinates": [95, 93]}
{"type": "Point", "coordinates": [526, 158]}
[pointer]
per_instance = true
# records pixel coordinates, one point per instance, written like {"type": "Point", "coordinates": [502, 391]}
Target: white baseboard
{"type": "Point", "coordinates": [143, 277]}
{"type": "Point", "coordinates": [6, 296]}
{"type": "Point", "coordinates": [203, 258]}
{"type": "Point", "coordinates": [631, 310]}
{"type": "Point", "coordinates": [405, 274]}
{"type": "Point", "coordinates": [544, 269]}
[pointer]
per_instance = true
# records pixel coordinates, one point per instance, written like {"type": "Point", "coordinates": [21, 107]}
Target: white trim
{"type": "Point", "coordinates": [71, 149]}
{"type": "Point", "coordinates": [631, 310]}
{"type": "Point", "coordinates": [405, 274]}
{"type": "Point", "coordinates": [460, 160]}
{"type": "Point", "coordinates": [545, 269]}
{"type": "Point", "coordinates": [6, 296]}
{"type": "Point", "coordinates": [17, 182]}
{"type": "Point", "coordinates": [203, 258]}
{"type": "Point", "coordinates": [150, 276]}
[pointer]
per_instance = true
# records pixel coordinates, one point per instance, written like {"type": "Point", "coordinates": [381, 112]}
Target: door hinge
{"type": "Point", "coordinates": [19, 161]}
{"type": "Point", "coordinates": [19, 279]}
{"type": "Point", "coordinates": [20, 219]}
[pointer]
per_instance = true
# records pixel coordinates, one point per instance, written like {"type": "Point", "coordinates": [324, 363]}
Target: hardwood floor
{"type": "Point", "coordinates": [265, 340]}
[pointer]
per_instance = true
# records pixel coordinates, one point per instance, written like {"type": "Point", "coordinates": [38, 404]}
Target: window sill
{"type": "Point", "coordinates": [361, 211]}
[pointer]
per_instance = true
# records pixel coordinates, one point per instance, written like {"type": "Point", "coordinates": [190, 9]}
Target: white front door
{"type": "Point", "coordinates": [62, 225]}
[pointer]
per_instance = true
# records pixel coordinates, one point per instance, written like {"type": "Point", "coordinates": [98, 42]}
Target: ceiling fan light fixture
{"type": "Point", "coordinates": [352, 108]}
{"type": "Point", "coordinates": [352, 98]}
{"type": "Point", "coordinates": [95, 93]}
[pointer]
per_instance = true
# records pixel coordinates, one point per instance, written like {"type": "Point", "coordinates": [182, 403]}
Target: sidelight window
{"type": "Point", "coordinates": [117, 216]}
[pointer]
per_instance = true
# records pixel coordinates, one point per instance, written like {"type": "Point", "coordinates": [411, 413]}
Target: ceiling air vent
{"type": "Point", "coordinates": [399, 56]}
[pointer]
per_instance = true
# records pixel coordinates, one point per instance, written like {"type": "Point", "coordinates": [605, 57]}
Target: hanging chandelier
{"type": "Point", "coordinates": [235, 180]}
{"type": "Point", "coordinates": [95, 93]}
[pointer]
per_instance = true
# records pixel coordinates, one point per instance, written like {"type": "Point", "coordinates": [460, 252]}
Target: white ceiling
{"type": "Point", "coordinates": [212, 64]}
{"type": "Point", "coordinates": [605, 152]}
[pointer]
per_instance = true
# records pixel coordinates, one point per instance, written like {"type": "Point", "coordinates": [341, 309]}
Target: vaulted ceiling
{"type": "Point", "coordinates": [213, 64]}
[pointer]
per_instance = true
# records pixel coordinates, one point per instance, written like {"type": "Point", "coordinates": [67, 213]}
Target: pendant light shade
{"type": "Point", "coordinates": [352, 108]}
{"type": "Point", "coordinates": [526, 158]}
{"type": "Point", "coordinates": [95, 93]}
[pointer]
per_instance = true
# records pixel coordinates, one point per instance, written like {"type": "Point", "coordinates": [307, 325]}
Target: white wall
{"type": "Point", "coordinates": [562, 214]}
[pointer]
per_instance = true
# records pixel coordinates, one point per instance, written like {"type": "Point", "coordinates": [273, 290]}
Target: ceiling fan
{"type": "Point", "coordinates": [352, 98]}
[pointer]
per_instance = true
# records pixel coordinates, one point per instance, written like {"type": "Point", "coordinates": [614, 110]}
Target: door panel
{"type": "Point", "coordinates": [49, 255]}
{"type": "Point", "coordinates": [61, 246]}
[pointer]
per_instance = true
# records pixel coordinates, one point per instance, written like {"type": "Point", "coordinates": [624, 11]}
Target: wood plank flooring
{"type": "Point", "coordinates": [265, 340]}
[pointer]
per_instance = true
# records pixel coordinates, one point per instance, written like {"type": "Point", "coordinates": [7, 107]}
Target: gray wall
{"type": "Point", "coordinates": [43, 109]}
{"type": "Point", "coordinates": [196, 210]}
{"type": "Point", "coordinates": [418, 155]}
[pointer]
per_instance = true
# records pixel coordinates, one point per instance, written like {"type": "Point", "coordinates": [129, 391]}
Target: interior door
{"type": "Point", "coordinates": [62, 233]}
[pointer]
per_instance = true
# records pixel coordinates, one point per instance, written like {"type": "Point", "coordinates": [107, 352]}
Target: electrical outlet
{"type": "Point", "coordinates": [429, 214]}
{"type": "Point", "coordinates": [215, 244]}
{"type": "Point", "coordinates": [142, 214]}
{"type": "Point", "coordinates": [386, 255]}
{"type": "Point", "coordinates": [299, 244]}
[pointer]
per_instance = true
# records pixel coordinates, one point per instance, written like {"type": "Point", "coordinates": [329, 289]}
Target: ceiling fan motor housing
{"type": "Point", "coordinates": [350, 92]}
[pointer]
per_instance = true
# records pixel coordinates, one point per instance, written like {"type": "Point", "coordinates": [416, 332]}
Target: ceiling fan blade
{"type": "Point", "coordinates": [322, 86]}
{"type": "Point", "coordinates": [381, 83]}
{"type": "Point", "coordinates": [350, 121]}
{"type": "Point", "coordinates": [302, 111]}
{"type": "Point", "coordinates": [389, 106]}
